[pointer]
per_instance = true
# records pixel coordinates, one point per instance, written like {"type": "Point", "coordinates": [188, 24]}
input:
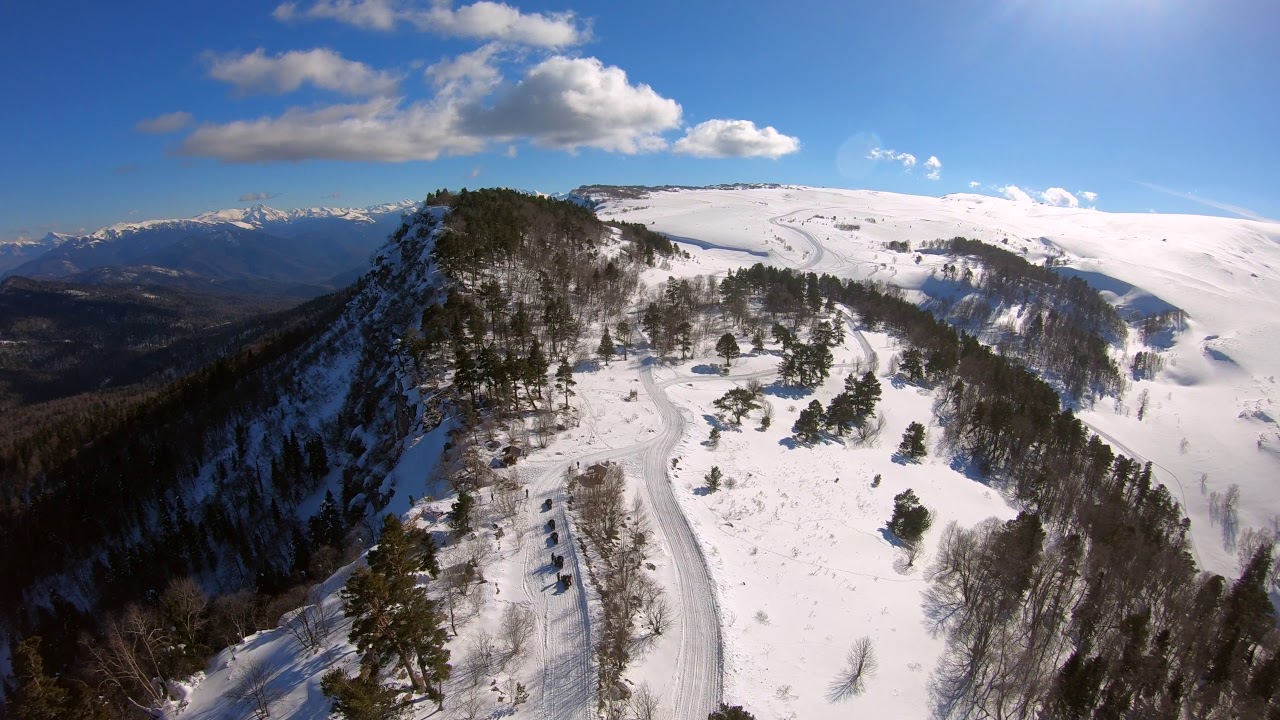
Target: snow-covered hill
{"type": "Point", "coordinates": [1212, 412]}
{"type": "Point", "coordinates": [775, 576]}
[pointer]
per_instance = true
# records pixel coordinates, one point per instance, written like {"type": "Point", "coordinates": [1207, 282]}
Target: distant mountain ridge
{"type": "Point", "coordinates": [301, 252]}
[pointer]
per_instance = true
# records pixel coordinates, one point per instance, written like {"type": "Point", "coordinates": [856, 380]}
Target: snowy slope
{"type": "Point", "coordinates": [1218, 389]}
{"type": "Point", "coordinates": [773, 579]}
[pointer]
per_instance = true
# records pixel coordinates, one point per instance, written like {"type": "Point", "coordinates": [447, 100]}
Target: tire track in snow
{"type": "Point", "coordinates": [698, 678]}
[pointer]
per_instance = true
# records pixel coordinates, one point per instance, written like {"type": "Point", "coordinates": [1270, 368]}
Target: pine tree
{"type": "Point", "coordinates": [912, 365]}
{"type": "Point", "coordinates": [684, 337]}
{"type": "Point", "coordinates": [565, 381]}
{"type": "Point", "coordinates": [910, 519]}
{"type": "Point", "coordinates": [713, 478]}
{"type": "Point", "coordinates": [607, 349]}
{"type": "Point", "coordinates": [534, 369]}
{"type": "Point", "coordinates": [757, 341]}
{"type": "Point", "coordinates": [912, 445]}
{"type": "Point", "coordinates": [623, 328]}
{"type": "Point", "coordinates": [393, 620]}
{"type": "Point", "coordinates": [460, 513]}
{"type": "Point", "coordinates": [327, 527]}
{"type": "Point", "coordinates": [808, 427]}
{"type": "Point", "coordinates": [727, 347]}
{"type": "Point", "coordinates": [841, 413]}
{"type": "Point", "coordinates": [866, 394]}
{"type": "Point", "coordinates": [362, 697]}
{"type": "Point", "coordinates": [731, 712]}
{"type": "Point", "coordinates": [737, 402]}
{"type": "Point", "coordinates": [39, 696]}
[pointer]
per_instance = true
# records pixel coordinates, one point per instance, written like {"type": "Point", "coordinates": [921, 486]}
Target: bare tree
{"type": "Point", "coordinates": [644, 704]}
{"type": "Point", "coordinates": [311, 624]}
{"type": "Point", "coordinates": [860, 666]}
{"type": "Point", "coordinates": [911, 551]}
{"type": "Point", "coordinates": [483, 651]}
{"type": "Point", "coordinates": [129, 656]}
{"type": "Point", "coordinates": [518, 624]}
{"type": "Point", "coordinates": [255, 687]}
{"type": "Point", "coordinates": [507, 498]}
{"type": "Point", "coordinates": [869, 430]}
{"type": "Point", "coordinates": [657, 612]}
{"type": "Point", "coordinates": [235, 616]}
{"type": "Point", "coordinates": [187, 609]}
{"type": "Point", "coordinates": [470, 704]}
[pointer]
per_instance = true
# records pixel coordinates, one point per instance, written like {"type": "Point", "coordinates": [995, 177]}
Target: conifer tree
{"type": "Point", "coordinates": [727, 347]}
{"type": "Point", "coordinates": [737, 402]}
{"type": "Point", "coordinates": [623, 328]}
{"type": "Point", "coordinates": [808, 427]}
{"type": "Point", "coordinates": [565, 381]}
{"type": "Point", "coordinates": [910, 519]}
{"type": "Point", "coordinates": [912, 445]}
{"type": "Point", "coordinates": [460, 513]}
{"type": "Point", "coordinates": [362, 697]}
{"type": "Point", "coordinates": [607, 349]}
{"type": "Point", "coordinates": [713, 478]}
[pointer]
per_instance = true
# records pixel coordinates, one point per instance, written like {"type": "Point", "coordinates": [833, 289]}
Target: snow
{"type": "Point", "coordinates": [773, 579]}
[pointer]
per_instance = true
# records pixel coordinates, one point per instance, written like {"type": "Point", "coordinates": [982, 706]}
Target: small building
{"type": "Point", "coordinates": [511, 454]}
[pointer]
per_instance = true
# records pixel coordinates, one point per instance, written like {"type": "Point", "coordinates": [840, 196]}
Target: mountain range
{"type": "Point", "coordinates": [259, 250]}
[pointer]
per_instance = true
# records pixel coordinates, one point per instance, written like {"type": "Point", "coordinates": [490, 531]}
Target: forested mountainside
{"type": "Point", "coordinates": [135, 548]}
{"type": "Point", "coordinates": [59, 339]}
{"type": "Point", "coordinates": [255, 474]}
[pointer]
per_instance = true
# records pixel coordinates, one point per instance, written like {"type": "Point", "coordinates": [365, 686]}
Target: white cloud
{"type": "Point", "coordinates": [1015, 193]}
{"type": "Point", "coordinates": [367, 14]}
{"type": "Point", "coordinates": [735, 138]}
{"type": "Point", "coordinates": [907, 159]}
{"type": "Point", "coordinates": [1088, 196]}
{"type": "Point", "coordinates": [1059, 197]}
{"type": "Point", "coordinates": [166, 123]}
{"type": "Point", "coordinates": [562, 103]}
{"type": "Point", "coordinates": [470, 74]}
{"type": "Point", "coordinates": [935, 167]}
{"type": "Point", "coordinates": [1216, 204]}
{"type": "Point", "coordinates": [258, 196]}
{"type": "Point", "coordinates": [510, 151]}
{"type": "Point", "coordinates": [256, 72]}
{"type": "Point", "coordinates": [484, 20]}
{"type": "Point", "coordinates": [570, 103]}
{"type": "Point", "coordinates": [974, 184]}
{"type": "Point", "coordinates": [379, 130]}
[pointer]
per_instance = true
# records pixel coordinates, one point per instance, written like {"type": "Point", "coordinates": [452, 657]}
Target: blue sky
{"type": "Point", "coordinates": [136, 110]}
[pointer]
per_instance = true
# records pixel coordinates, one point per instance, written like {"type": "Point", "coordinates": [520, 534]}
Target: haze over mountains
{"type": "Point", "coordinates": [260, 250]}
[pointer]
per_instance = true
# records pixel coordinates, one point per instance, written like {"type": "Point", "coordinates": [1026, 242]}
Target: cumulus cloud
{"type": "Point", "coordinates": [467, 75]}
{"type": "Point", "coordinates": [166, 123]}
{"type": "Point", "coordinates": [482, 20]}
{"type": "Point", "coordinates": [258, 196]}
{"type": "Point", "coordinates": [907, 159]}
{"type": "Point", "coordinates": [735, 138]}
{"type": "Point", "coordinates": [1089, 196]}
{"type": "Point", "coordinates": [570, 103]}
{"type": "Point", "coordinates": [1015, 193]}
{"type": "Point", "coordinates": [974, 184]}
{"type": "Point", "coordinates": [934, 166]}
{"type": "Point", "coordinates": [380, 130]}
{"type": "Point", "coordinates": [256, 72]}
{"type": "Point", "coordinates": [561, 103]}
{"type": "Point", "coordinates": [1059, 197]}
